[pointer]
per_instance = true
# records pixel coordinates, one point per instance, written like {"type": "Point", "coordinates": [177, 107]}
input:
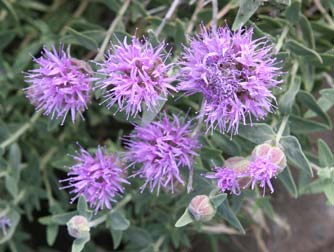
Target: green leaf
{"type": "Point", "coordinates": [226, 212]}
{"type": "Point", "coordinates": [5, 38]}
{"type": "Point", "coordinates": [307, 32]}
{"type": "Point", "coordinates": [15, 160]}
{"type": "Point", "coordinates": [185, 219]}
{"type": "Point", "coordinates": [217, 200]}
{"type": "Point", "coordinates": [329, 192]}
{"type": "Point", "coordinates": [82, 208]}
{"type": "Point", "coordinates": [8, 5]}
{"type": "Point", "coordinates": [268, 209]}
{"type": "Point", "coordinates": [117, 236]}
{"type": "Point", "coordinates": [51, 234]}
{"type": "Point", "coordinates": [326, 158]}
{"type": "Point", "coordinates": [292, 13]}
{"type": "Point", "coordinates": [257, 132]}
{"type": "Point", "coordinates": [11, 186]}
{"type": "Point", "coordinates": [149, 115]}
{"type": "Point", "coordinates": [118, 221]}
{"type": "Point", "coordinates": [299, 125]}
{"type": "Point", "coordinates": [81, 39]}
{"type": "Point", "coordinates": [286, 178]}
{"type": "Point", "coordinates": [287, 99]}
{"type": "Point", "coordinates": [246, 9]}
{"type": "Point", "coordinates": [295, 154]}
{"type": "Point", "coordinates": [211, 156]}
{"type": "Point", "coordinates": [63, 218]}
{"type": "Point", "coordinates": [226, 144]}
{"type": "Point", "coordinates": [301, 50]}
{"type": "Point", "coordinates": [308, 73]}
{"type": "Point", "coordinates": [286, 2]}
{"type": "Point", "coordinates": [79, 244]}
{"type": "Point", "coordinates": [308, 100]}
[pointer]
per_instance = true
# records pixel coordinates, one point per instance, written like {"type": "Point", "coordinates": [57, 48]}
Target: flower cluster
{"type": "Point", "coordinates": [135, 74]}
{"type": "Point", "coordinates": [98, 178]}
{"type": "Point", "coordinates": [162, 148]}
{"type": "Point", "coordinates": [233, 72]}
{"type": "Point", "coordinates": [60, 85]}
{"type": "Point", "coordinates": [265, 163]}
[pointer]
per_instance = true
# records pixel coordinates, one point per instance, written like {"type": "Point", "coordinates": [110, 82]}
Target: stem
{"type": "Point", "coordinates": [43, 164]}
{"type": "Point", "coordinates": [111, 29]}
{"type": "Point", "coordinates": [168, 15]}
{"type": "Point", "coordinates": [214, 14]}
{"type": "Point", "coordinates": [315, 167]}
{"type": "Point", "coordinates": [20, 131]}
{"type": "Point", "coordinates": [200, 119]}
{"type": "Point", "coordinates": [199, 6]}
{"type": "Point", "coordinates": [281, 39]}
{"type": "Point", "coordinates": [190, 181]}
{"type": "Point", "coordinates": [103, 218]}
{"type": "Point", "coordinates": [222, 13]}
{"type": "Point", "coordinates": [159, 242]}
{"type": "Point", "coordinates": [324, 12]}
{"type": "Point", "coordinates": [281, 129]}
{"type": "Point", "coordinates": [78, 12]}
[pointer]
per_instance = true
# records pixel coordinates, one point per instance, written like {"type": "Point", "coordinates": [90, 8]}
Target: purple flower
{"type": "Point", "coordinates": [162, 148]}
{"type": "Point", "coordinates": [233, 72]}
{"type": "Point", "coordinates": [261, 169]}
{"type": "Point", "coordinates": [60, 85]}
{"type": "Point", "coordinates": [98, 178]}
{"type": "Point", "coordinates": [5, 223]}
{"type": "Point", "coordinates": [227, 179]}
{"type": "Point", "coordinates": [135, 74]}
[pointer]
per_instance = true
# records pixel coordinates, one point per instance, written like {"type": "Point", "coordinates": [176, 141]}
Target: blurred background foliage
{"type": "Point", "coordinates": [33, 149]}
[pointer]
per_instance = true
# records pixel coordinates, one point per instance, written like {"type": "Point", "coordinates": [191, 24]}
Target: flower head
{"type": "Point", "coordinates": [5, 223]}
{"type": "Point", "coordinates": [135, 74]}
{"type": "Point", "coordinates": [162, 148]}
{"type": "Point", "coordinates": [231, 177]}
{"type": "Point", "coordinates": [233, 72]}
{"type": "Point", "coordinates": [227, 179]}
{"type": "Point", "coordinates": [262, 170]}
{"type": "Point", "coordinates": [60, 85]}
{"type": "Point", "coordinates": [98, 178]}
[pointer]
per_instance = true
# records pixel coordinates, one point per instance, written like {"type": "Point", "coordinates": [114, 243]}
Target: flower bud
{"type": "Point", "coordinates": [78, 226]}
{"type": "Point", "coordinates": [201, 208]}
{"type": "Point", "coordinates": [278, 157]}
{"type": "Point", "coordinates": [275, 153]}
{"type": "Point", "coordinates": [240, 166]}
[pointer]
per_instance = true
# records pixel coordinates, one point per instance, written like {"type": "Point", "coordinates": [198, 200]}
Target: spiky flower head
{"type": "Point", "coordinates": [233, 72]}
{"type": "Point", "coordinates": [267, 162]}
{"type": "Point", "coordinates": [261, 170]}
{"type": "Point", "coordinates": [135, 74]}
{"type": "Point", "coordinates": [98, 178]}
{"type": "Point", "coordinates": [232, 176]}
{"type": "Point", "coordinates": [5, 223]}
{"type": "Point", "coordinates": [162, 149]}
{"type": "Point", "coordinates": [227, 179]}
{"type": "Point", "coordinates": [60, 84]}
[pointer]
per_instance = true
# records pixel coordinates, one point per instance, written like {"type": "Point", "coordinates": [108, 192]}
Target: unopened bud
{"type": "Point", "coordinates": [275, 153]}
{"type": "Point", "coordinates": [201, 208]}
{"type": "Point", "coordinates": [78, 226]}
